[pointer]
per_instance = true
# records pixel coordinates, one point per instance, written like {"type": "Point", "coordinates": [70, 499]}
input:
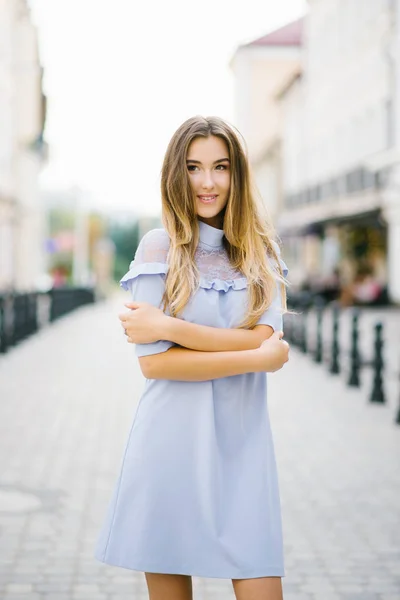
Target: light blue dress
{"type": "Point", "coordinates": [197, 493]}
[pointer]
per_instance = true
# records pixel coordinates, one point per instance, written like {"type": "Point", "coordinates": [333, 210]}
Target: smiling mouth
{"type": "Point", "coordinates": [208, 199]}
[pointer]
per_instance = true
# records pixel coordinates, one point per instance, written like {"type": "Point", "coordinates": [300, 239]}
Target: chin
{"type": "Point", "coordinates": [209, 212]}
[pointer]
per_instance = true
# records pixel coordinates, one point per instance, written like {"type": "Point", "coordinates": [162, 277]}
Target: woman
{"type": "Point", "coordinates": [198, 492]}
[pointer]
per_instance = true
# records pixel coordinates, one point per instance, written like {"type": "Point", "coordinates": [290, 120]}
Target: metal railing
{"type": "Point", "coordinates": [22, 314]}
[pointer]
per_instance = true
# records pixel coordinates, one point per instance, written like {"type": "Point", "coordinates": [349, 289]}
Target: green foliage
{"type": "Point", "coordinates": [60, 219]}
{"type": "Point", "coordinates": [126, 240]}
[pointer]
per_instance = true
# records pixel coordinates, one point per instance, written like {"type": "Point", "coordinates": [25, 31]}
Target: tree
{"type": "Point", "coordinates": [126, 240]}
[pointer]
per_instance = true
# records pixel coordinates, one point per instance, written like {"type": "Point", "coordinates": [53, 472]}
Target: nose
{"type": "Point", "coordinates": [208, 182]}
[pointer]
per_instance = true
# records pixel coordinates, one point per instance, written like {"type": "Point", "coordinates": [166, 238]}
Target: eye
{"type": "Point", "coordinates": [222, 167]}
{"type": "Point", "coordinates": [192, 167]}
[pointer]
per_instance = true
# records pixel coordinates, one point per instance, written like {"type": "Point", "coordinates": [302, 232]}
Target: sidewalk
{"type": "Point", "coordinates": [67, 397]}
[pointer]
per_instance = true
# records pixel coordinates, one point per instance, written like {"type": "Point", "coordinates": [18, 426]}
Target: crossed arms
{"type": "Point", "coordinates": [204, 352]}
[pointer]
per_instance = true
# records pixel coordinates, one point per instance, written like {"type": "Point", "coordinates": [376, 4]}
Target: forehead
{"type": "Point", "coordinates": [206, 149]}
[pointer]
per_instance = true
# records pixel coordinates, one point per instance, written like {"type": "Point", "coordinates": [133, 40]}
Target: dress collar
{"type": "Point", "coordinates": [210, 235]}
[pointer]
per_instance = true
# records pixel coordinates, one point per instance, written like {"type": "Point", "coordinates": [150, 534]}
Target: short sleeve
{"type": "Point", "coordinates": [273, 316]}
{"type": "Point", "coordinates": [145, 280]}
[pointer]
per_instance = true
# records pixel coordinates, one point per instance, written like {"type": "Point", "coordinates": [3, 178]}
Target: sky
{"type": "Point", "coordinates": [122, 75]}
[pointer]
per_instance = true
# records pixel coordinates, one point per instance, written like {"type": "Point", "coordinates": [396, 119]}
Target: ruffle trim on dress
{"type": "Point", "coordinates": [153, 268]}
{"type": "Point", "coordinates": [222, 285]}
{"type": "Point", "coordinates": [156, 268]}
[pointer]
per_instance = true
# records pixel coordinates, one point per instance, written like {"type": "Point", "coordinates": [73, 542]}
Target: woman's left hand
{"type": "Point", "coordinates": [143, 324]}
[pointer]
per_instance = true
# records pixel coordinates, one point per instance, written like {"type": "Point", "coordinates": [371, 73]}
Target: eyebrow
{"type": "Point", "coordinates": [197, 162]}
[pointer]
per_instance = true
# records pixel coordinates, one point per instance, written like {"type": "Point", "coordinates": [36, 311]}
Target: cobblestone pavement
{"type": "Point", "coordinates": [67, 397]}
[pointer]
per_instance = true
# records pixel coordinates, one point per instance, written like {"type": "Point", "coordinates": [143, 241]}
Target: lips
{"type": "Point", "coordinates": [208, 198]}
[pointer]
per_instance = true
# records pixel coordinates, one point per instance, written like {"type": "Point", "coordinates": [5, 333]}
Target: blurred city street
{"type": "Point", "coordinates": [314, 90]}
{"type": "Point", "coordinates": [68, 395]}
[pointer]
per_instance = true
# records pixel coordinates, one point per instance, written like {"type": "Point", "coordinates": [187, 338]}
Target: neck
{"type": "Point", "coordinates": [216, 221]}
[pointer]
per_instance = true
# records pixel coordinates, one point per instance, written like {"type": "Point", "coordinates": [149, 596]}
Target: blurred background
{"type": "Point", "coordinates": [91, 92]}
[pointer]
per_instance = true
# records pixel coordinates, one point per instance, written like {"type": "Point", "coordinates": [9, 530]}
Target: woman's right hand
{"type": "Point", "coordinates": [273, 353]}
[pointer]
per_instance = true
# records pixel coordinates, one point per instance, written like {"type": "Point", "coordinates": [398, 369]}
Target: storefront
{"type": "Point", "coordinates": [337, 251]}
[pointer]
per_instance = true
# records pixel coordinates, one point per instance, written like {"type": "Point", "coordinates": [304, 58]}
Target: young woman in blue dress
{"type": "Point", "coordinates": [206, 187]}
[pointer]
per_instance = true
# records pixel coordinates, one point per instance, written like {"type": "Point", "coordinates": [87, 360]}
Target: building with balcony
{"type": "Point", "coordinates": [340, 141]}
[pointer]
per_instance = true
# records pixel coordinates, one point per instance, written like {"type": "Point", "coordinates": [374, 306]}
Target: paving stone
{"type": "Point", "coordinates": [28, 578]}
{"type": "Point", "coordinates": [84, 588]}
{"type": "Point", "coordinates": [337, 458]}
{"type": "Point", "coordinates": [52, 587]}
{"type": "Point", "coordinates": [88, 596]}
{"type": "Point", "coordinates": [299, 596]}
{"type": "Point", "coordinates": [318, 588]}
{"type": "Point", "coordinates": [27, 596]}
{"type": "Point", "coordinates": [360, 596]}
{"type": "Point", "coordinates": [328, 596]}
{"type": "Point", "coordinates": [19, 588]}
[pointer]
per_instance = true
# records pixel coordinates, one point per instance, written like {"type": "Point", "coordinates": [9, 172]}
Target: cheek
{"type": "Point", "coordinates": [226, 182]}
{"type": "Point", "coordinates": [192, 181]}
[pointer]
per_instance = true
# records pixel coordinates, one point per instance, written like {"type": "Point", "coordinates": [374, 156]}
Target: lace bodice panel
{"type": "Point", "coordinates": [213, 263]}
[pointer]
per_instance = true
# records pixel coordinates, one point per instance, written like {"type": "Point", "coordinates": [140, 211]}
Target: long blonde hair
{"type": "Point", "coordinates": [248, 232]}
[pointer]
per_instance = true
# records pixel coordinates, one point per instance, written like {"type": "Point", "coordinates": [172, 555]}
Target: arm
{"type": "Point", "coordinates": [190, 365]}
{"type": "Point", "coordinates": [214, 339]}
{"type": "Point", "coordinates": [154, 333]}
{"type": "Point", "coordinates": [146, 323]}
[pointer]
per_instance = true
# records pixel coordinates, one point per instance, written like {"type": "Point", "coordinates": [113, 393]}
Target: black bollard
{"type": "Point", "coordinates": [32, 308]}
{"type": "Point", "coordinates": [3, 329]}
{"type": "Point", "coordinates": [355, 361]}
{"type": "Point", "coordinates": [335, 366]}
{"type": "Point", "coordinates": [397, 419]}
{"type": "Point", "coordinates": [287, 326]}
{"type": "Point", "coordinates": [319, 347]}
{"type": "Point", "coordinates": [297, 331]}
{"type": "Point", "coordinates": [377, 394]}
{"type": "Point", "coordinates": [292, 329]}
{"type": "Point", "coordinates": [293, 321]}
{"type": "Point", "coordinates": [303, 336]}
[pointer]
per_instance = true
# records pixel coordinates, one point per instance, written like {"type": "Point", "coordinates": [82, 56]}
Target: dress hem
{"type": "Point", "coordinates": [269, 571]}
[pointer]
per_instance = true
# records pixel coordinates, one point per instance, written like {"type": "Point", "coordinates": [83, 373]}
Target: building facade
{"type": "Point", "coordinates": [22, 149]}
{"type": "Point", "coordinates": [260, 69]}
{"type": "Point", "coordinates": [340, 208]}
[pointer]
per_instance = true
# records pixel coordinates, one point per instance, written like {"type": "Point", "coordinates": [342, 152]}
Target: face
{"type": "Point", "coordinates": [209, 172]}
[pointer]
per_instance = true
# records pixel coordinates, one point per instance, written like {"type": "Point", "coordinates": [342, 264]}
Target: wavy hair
{"type": "Point", "coordinates": [248, 231]}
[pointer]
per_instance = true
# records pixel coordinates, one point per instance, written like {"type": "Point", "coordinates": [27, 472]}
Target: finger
{"type": "Point", "coordinates": [133, 305]}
